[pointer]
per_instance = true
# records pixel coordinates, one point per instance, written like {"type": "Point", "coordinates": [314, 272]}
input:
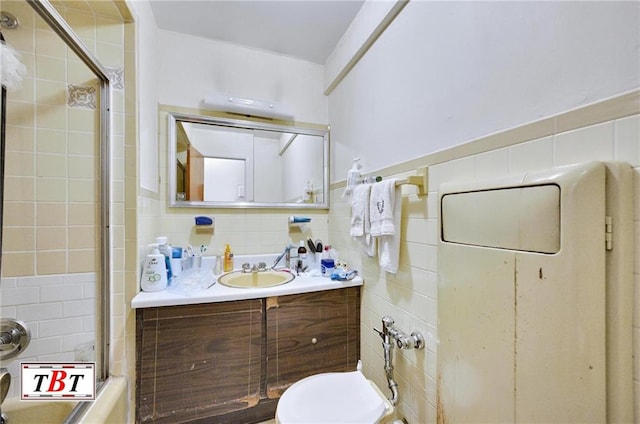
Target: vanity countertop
{"type": "Point", "coordinates": [218, 293]}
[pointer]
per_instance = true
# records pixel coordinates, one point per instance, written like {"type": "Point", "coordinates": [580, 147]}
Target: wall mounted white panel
{"type": "Point", "coordinates": [522, 334]}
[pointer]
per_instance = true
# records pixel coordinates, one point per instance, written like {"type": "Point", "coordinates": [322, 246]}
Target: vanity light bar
{"type": "Point", "coordinates": [244, 106]}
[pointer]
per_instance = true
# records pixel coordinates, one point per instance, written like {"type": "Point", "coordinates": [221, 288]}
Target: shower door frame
{"type": "Point", "coordinates": [60, 27]}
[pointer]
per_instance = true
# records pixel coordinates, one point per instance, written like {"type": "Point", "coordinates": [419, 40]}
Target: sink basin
{"type": "Point", "coordinates": [250, 280]}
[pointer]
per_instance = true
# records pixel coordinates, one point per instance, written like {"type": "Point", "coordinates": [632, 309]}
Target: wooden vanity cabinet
{"type": "Point", "coordinates": [197, 361]}
{"type": "Point", "coordinates": [311, 333]}
{"type": "Point", "coordinates": [229, 362]}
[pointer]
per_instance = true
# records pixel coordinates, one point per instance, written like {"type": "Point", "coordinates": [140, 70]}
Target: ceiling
{"type": "Point", "coordinates": [305, 29]}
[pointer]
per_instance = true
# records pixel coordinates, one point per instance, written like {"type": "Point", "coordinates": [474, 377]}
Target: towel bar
{"type": "Point", "coordinates": [419, 180]}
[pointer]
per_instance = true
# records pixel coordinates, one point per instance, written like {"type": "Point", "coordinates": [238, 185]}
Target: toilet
{"type": "Point", "coordinates": [340, 397]}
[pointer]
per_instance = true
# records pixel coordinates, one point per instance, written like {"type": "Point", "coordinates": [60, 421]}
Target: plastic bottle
{"type": "Point", "coordinates": [228, 259]}
{"type": "Point", "coordinates": [302, 256]}
{"type": "Point", "coordinates": [308, 195]}
{"type": "Point", "coordinates": [165, 249]}
{"type": "Point", "coordinates": [353, 177]}
{"type": "Point", "coordinates": [154, 271]}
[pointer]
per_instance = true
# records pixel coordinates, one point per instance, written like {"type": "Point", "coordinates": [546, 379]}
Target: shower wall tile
{"type": "Point", "coordinates": [82, 260]}
{"type": "Point", "coordinates": [51, 190]}
{"type": "Point", "coordinates": [18, 214]}
{"type": "Point", "coordinates": [51, 69]}
{"type": "Point", "coordinates": [51, 262]}
{"type": "Point", "coordinates": [51, 165]}
{"type": "Point", "coordinates": [18, 264]}
{"type": "Point", "coordinates": [51, 214]}
{"type": "Point", "coordinates": [116, 76]}
{"type": "Point", "coordinates": [51, 141]}
{"type": "Point", "coordinates": [51, 238]}
{"type": "Point", "coordinates": [48, 43]}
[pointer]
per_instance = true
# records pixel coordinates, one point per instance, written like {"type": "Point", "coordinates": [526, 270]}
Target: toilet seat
{"type": "Point", "coordinates": [342, 397]}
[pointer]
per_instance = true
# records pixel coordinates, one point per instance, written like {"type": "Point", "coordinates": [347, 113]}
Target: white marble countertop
{"type": "Point", "coordinates": [219, 293]}
{"type": "Point", "coordinates": [178, 294]}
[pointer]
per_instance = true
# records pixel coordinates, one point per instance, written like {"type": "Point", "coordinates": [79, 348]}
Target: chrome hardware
{"type": "Point", "coordinates": [285, 254]}
{"type": "Point", "coordinates": [389, 334]}
{"type": "Point", "coordinates": [314, 341]}
{"type": "Point", "coordinates": [262, 266]}
{"type": "Point", "coordinates": [14, 337]}
{"type": "Point", "coordinates": [246, 267]}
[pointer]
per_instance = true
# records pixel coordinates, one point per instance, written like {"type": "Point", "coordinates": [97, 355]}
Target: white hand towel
{"type": "Point", "coordinates": [381, 208]}
{"type": "Point", "coordinates": [360, 209]}
{"type": "Point", "coordinates": [360, 223]}
{"type": "Point", "coordinates": [389, 245]}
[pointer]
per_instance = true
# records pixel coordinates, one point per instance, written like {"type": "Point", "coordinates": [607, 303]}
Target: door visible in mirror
{"type": "Point", "coordinates": [223, 162]}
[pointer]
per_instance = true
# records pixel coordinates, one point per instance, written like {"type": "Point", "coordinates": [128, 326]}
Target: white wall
{"type": "Point", "coordinates": [444, 73]}
{"type": "Point", "coordinates": [147, 85]}
{"type": "Point", "coordinates": [192, 67]}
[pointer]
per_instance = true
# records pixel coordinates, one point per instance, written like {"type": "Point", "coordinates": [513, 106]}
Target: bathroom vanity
{"type": "Point", "coordinates": [229, 361]}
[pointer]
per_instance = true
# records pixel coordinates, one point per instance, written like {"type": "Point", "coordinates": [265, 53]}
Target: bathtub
{"type": "Point", "coordinates": [110, 406]}
{"type": "Point", "coordinates": [29, 412]}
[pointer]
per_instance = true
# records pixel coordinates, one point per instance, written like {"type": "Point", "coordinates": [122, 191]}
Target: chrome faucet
{"type": "Point", "coordinates": [285, 254]}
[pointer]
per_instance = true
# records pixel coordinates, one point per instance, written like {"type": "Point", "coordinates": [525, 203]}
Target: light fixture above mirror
{"type": "Point", "coordinates": [237, 163]}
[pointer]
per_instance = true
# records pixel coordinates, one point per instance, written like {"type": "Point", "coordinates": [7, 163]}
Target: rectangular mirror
{"type": "Point", "coordinates": [234, 163]}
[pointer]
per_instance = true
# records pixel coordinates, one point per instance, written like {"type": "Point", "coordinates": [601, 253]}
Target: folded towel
{"type": "Point", "coordinates": [360, 209]}
{"type": "Point", "coordinates": [381, 208]}
{"type": "Point", "coordinates": [389, 245]}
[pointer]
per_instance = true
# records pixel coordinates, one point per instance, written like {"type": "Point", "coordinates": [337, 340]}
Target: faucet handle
{"type": "Point", "coordinates": [380, 333]}
{"type": "Point", "coordinates": [246, 267]}
{"type": "Point", "coordinates": [262, 266]}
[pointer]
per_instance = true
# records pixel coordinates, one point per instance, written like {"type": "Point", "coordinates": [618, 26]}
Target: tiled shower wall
{"type": "Point", "coordinates": [609, 131]}
{"type": "Point", "coordinates": [51, 209]}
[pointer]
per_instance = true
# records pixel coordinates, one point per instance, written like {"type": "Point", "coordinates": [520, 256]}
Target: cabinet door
{"type": "Point", "coordinates": [311, 333]}
{"type": "Point", "coordinates": [198, 361]}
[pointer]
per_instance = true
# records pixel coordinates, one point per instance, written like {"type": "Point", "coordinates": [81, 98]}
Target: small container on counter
{"type": "Point", "coordinates": [327, 267]}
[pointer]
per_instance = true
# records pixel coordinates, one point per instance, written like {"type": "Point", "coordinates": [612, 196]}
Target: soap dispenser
{"type": "Point", "coordinates": [154, 272]}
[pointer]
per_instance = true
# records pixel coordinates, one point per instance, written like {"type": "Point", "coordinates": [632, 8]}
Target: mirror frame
{"type": "Point", "coordinates": [247, 124]}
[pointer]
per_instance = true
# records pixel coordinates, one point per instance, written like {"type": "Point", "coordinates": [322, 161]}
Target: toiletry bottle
{"type": "Point", "coordinates": [228, 259]}
{"type": "Point", "coordinates": [165, 249]}
{"type": "Point", "coordinates": [154, 271]}
{"type": "Point", "coordinates": [353, 176]}
{"type": "Point", "coordinates": [307, 196]}
{"type": "Point", "coordinates": [302, 256]}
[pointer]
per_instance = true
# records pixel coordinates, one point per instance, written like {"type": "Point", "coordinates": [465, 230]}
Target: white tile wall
{"type": "Point", "coordinates": [411, 295]}
{"type": "Point", "coordinates": [58, 309]}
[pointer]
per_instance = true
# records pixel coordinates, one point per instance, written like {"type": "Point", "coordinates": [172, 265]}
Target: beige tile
{"type": "Point", "coordinates": [50, 214]}
{"type": "Point", "coordinates": [83, 213]}
{"type": "Point", "coordinates": [78, 73]}
{"type": "Point", "coordinates": [18, 239]}
{"type": "Point", "coordinates": [19, 189]}
{"type": "Point", "coordinates": [527, 132]}
{"type": "Point", "coordinates": [18, 214]}
{"type": "Point", "coordinates": [51, 190]}
{"type": "Point", "coordinates": [85, 120]}
{"type": "Point", "coordinates": [48, 43]}
{"type": "Point", "coordinates": [18, 264]}
{"type": "Point", "coordinates": [585, 144]}
{"type": "Point", "coordinates": [109, 31]}
{"type": "Point", "coordinates": [627, 140]}
{"type": "Point", "coordinates": [51, 238]}
{"type": "Point", "coordinates": [82, 190]}
{"type": "Point", "coordinates": [25, 92]}
{"type": "Point", "coordinates": [83, 143]}
{"type": "Point", "coordinates": [20, 113]}
{"type": "Point", "coordinates": [536, 154]}
{"type": "Point", "coordinates": [20, 138]}
{"type": "Point", "coordinates": [51, 165]}
{"type": "Point", "coordinates": [625, 105]}
{"type": "Point", "coordinates": [19, 164]}
{"type": "Point", "coordinates": [52, 117]}
{"type": "Point", "coordinates": [82, 166]}
{"type": "Point", "coordinates": [83, 24]}
{"type": "Point", "coordinates": [110, 54]}
{"type": "Point", "coordinates": [51, 141]}
{"type": "Point", "coordinates": [51, 68]}
{"type": "Point", "coordinates": [48, 263]}
{"type": "Point", "coordinates": [107, 9]}
{"type": "Point", "coordinates": [51, 93]}
{"type": "Point", "coordinates": [82, 237]}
